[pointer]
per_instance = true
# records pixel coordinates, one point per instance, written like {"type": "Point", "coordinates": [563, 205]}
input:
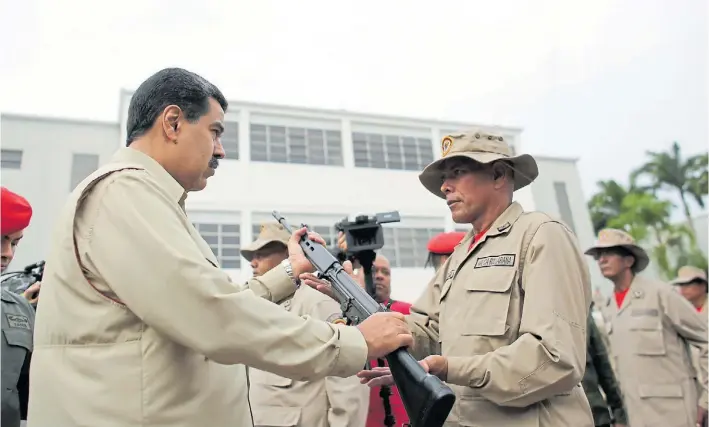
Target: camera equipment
{"type": "Point", "coordinates": [364, 236]}
{"type": "Point", "coordinates": [18, 281]}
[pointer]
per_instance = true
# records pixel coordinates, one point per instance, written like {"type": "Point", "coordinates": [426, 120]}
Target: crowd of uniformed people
{"type": "Point", "coordinates": [137, 325]}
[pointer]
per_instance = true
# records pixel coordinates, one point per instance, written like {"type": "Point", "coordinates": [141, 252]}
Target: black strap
{"type": "Point", "coordinates": [385, 390]}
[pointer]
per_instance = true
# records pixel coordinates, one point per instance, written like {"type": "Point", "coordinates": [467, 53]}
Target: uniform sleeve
{"type": "Point", "coordinates": [140, 248]}
{"type": "Point", "coordinates": [348, 399]}
{"type": "Point", "coordinates": [549, 356]}
{"type": "Point", "coordinates": [423, 318]}
{"type": "Point", "coordinates": [606, 378]}
{"type": "Point", "coordinates": [690, 326]}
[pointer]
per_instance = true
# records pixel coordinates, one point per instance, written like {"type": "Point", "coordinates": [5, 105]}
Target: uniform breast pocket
{"type": "Point", "coordinates": [647, 335]}
{"type": "Point", "coordinates": [18, 342]}
{"type": "Point", "coordinates": [269, 379]}
{"type": "Point", "coordinates": [487, 301]}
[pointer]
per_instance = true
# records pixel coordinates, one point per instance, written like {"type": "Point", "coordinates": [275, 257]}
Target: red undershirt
{"type": "Point", "coordinates": [620, 296]}
{"type": "Point", "coordinates": [477, 237]}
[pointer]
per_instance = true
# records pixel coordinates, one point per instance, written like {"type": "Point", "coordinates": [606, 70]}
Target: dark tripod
{"type": "Point", "coordinates": [366, 260]}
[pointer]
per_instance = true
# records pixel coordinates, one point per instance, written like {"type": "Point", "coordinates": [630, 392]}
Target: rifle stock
{"type": "Point", "coordinates": [427, 400]}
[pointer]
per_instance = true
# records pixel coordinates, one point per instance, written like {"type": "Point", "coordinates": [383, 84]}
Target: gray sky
{"type": "Point", "coordinates": [600, 80]}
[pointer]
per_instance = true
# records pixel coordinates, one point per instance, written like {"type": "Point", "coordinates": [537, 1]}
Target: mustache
{"type": "Point", "coordinates": [214, 163]}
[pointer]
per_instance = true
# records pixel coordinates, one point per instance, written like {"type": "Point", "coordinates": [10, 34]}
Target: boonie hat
{"type": "Point", "coordinates": [482, 147]}
{"type": "Point", "coordinates": [614, 238]}
{"type": "Point", "coordinates": [688, 274]}
{"type": "Point", "coordinates": [269, 233]}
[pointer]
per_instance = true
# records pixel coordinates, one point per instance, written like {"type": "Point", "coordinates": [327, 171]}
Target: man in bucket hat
{"type": "Point", "coordinates": [328, 402]}
{"type": "Point", "coordinates": [691, 282]}
{"type": "Point", "coordinates": [509, 306]}
{"type": "Point", "coordinates": [650, 328]}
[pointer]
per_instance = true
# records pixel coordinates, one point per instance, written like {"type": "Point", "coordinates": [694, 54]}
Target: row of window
{"type": "Point", "coordinates": [299, 145]}
{"type": "Point", "coordinates": [404, 247]}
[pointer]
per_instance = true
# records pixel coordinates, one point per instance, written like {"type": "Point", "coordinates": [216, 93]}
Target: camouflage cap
{"type": "Point", "coordinates": [270, 232]}
{"type": "Point", "coordinates": [614, 238]}
{"type": "Point", "coordinates": [482, 147]}
{"type": "Point", "coordinates": [688, 274]}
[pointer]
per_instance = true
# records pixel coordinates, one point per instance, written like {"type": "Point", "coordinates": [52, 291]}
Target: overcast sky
{"type": "Point", "coordinates": [600, 80]}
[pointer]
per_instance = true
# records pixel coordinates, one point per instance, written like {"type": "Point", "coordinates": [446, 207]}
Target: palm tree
{"type": "Point", "coordinates": [670, 170]}
{"type": "Point", "coordinates": [607, 203]}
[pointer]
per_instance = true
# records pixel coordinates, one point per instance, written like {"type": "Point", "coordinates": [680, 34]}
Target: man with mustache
{"type": "Point", "coordinates": [509, 306]}
{"type": "Point", "coordinates": [138, 325]}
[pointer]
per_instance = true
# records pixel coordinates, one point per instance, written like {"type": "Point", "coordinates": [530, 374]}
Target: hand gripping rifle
{"type": "Point", "coordinates": [427, 400]}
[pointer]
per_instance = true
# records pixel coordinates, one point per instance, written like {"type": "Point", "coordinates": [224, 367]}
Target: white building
{"type": "Point", "coordinates": [313, 166]}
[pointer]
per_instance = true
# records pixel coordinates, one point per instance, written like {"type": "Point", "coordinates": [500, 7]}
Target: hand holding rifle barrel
{"type": "Point", "coordinates": [427, 400]}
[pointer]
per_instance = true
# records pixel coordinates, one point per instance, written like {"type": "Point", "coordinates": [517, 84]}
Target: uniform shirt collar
{"type": "Point", "coordinates": [169, 184]}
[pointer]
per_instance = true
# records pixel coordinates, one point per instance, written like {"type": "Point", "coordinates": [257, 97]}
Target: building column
{"type": "Point", "coordinates": [435, 146]}
{"type": "Point", "coordinates": [244, 136]}
{"type": "Point", "coordinates": [347, 150]}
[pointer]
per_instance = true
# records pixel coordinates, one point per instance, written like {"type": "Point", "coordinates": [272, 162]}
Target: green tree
{"type": "Point", "coordinates": [669, 170]}
{"type": "Point", "coordinates": [606, 204]}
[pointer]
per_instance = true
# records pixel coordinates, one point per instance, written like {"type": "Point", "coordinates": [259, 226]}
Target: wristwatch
{"type": "Point", "coordinates": [289, 270]}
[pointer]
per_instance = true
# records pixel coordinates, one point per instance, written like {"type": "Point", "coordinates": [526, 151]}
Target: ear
{"type": "Point", "coordinates": [171, 123]}
{"type": "Point", "coordinates": [499, 175]}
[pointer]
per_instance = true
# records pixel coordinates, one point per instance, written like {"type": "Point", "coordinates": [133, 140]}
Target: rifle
{"type": "Point", "coordinates": [427, 400]}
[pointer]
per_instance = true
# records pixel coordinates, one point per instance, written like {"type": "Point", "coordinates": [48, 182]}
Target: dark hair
{"type": "Point", "coordinates": [170, 86]}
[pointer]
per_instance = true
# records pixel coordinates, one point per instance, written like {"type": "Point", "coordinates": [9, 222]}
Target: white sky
{"type": "Point", "coordinates": [600, 80]}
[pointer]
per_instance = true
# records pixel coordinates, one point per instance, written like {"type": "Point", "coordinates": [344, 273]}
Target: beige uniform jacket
{"type": "Point", "coordinates": [158, 335]}
{"type": "Point", "coordinates": [696, 356]}
{"type": "Point", "coordinates": [515, 343]}
{"type": "Point", "coordinates": [328, 402]}
{"type": "Point", "coordinates": [650, 335]}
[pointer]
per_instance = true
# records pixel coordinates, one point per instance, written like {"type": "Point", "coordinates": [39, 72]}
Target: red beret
{"type": "Point", "coordinates": [445, 243]}
{"type": "Point", "coordinates": [15, 212]}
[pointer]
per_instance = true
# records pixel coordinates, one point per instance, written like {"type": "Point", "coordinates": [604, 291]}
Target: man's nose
{"type": "Point", "coordinates": [254, 263]}
{"type": "Point", "coordinates": [219, 152]}
{"type": "Point", "coordinates": [446, 187]}
{"type": "Point", "coordinates": [6, 250]}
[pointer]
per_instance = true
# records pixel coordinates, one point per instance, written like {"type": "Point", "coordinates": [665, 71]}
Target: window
{"type": "Point", "coordinates": [283, 144]}
{"type": "Point", "coordinates": [373, 150]}
{"type": "Point", "coordinates": [11, 159]}
{"type": "Point", "coordinates": [225, 242]}
{"type": "Point", "coordinates": [406, 247]}
{"type": "Point", "coordinates": [562, 201]}
{"type": "Point", "coordinates": [230, 140]}
{"type": "Point", "coordinates": [82, 165]}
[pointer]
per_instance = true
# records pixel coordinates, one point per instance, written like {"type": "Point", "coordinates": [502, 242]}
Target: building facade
{"type": "Point", "coordinates": [313, 166]}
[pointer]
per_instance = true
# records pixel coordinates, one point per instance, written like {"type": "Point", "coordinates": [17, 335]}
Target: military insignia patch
{"type": "Point", "coordinates": [506, 260]}
{"type": "Point", "coordinates": [446, 145]}
{"type": "Point", "coordinates": [18, 321]}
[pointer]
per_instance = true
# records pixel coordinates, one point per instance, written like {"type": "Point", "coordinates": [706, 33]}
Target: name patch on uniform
{"type": "Point", "coordinates": [652, 312]}
{"type": "Point", "coordinates": [506, 260]}
{"type": "Point", "coordinates": [18, 321]}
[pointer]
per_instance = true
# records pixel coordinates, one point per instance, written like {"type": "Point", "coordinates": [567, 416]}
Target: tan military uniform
{"type": "Point", "coordinates": [686, 275]}
{"type": "Point", "coordinates": [283, 402]}
{"type": "Point", "coordinates": [509, 313]}
{"type": "Point", "coordinates": [330, 402]}
{"type": "Point", "coordinates": [649, 334]}
{"type": "Point", "coordinates": [137, 325]}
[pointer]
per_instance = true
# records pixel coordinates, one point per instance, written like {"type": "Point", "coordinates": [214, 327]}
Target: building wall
{"type": "Point", "coordinates": [558, 192]}
{"type": "Point", "coordinates": [49, 148]}
{"type": "Point", "coordinates": [337, 164]}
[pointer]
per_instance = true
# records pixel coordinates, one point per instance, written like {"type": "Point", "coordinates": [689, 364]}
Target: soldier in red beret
{"type": "Point", "coordinates": [441, 246]}
{"type": "Point", "coordinates": [17, 324]}
{"type": "Point", "coordinates": [15, 215]}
